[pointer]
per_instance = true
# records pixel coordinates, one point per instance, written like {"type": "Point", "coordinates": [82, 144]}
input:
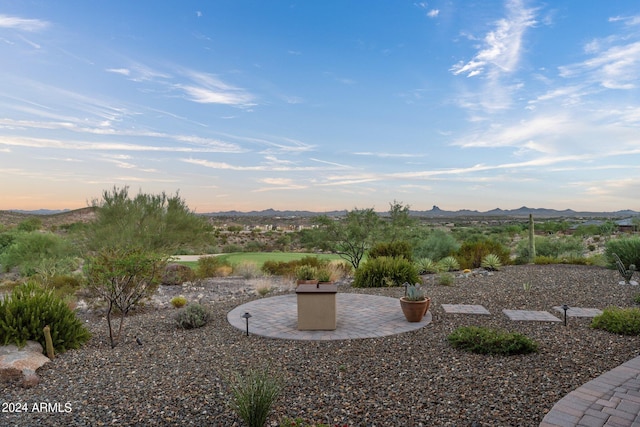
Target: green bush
{"type": "Point", "coordinates": [33, 251]}
{"type": "Point", "coordinates": [192, 316]}
{"type": "Point", "coordinates": [624, 321]}
{"type": "Point", "coordinates": [29, 308]}
{"type": "Point", "coordinates": [483, 340]}
{"type": "Point", "coordinates": [445, 279]}
{"type": "Point", "coordinates": [208, 266]}
{"type": "Point", "coordinates": [399, 249]}
{"type": "Point", "coordinates": [552, 247]}
{"type": "Point", "coordinates": [628, 249]}
{"type": "Point", "coordinates": [253, 395]}
{"type": "Point", "coordinates": [384, 272]}
{"type": "Point", "coordinates": [437, 245]}
{"type": "Point", "coordinates": [471, 254]}
{"type": "Point", "coordinates": [30, 224]}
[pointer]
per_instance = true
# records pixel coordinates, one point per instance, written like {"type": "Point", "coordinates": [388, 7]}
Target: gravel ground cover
{"type": "Point", "coordinates": [181, 377]}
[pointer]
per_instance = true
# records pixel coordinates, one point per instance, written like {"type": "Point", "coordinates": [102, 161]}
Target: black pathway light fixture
{"type": "Point", "coordinates": [565, 307]}
{"type": "Point", "coordinates": [246, 317]}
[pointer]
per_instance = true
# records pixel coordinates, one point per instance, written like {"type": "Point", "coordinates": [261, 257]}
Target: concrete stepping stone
{"type": "Point", "coordinates": [465, 309]}
{"type": "Point", "coordinates": [528, 315]}
{"type": "Point", "coordinates": [579, 311]}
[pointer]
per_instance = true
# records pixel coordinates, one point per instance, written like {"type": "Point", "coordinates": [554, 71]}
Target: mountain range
{"type": "Point", "coordinates": [434, 212]}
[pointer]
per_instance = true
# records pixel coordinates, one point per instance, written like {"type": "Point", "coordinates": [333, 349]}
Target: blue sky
{"type": "Point", "coordinates": [322, 105]}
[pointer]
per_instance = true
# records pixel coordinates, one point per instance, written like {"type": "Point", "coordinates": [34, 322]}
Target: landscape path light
{"type": "Point", "coordinates": [565, 307]}
{"type": "Point", "coordinates": [246, 317]}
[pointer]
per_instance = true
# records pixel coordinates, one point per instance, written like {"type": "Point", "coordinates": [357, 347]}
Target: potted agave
{"type": "Point", "coordinates": [414, 303]}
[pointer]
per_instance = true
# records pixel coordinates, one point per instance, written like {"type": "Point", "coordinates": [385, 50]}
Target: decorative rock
{"type": "Point", "coordinates": [21, 362]}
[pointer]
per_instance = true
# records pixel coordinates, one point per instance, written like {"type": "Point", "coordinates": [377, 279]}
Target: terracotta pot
{"type": "Point", "coordinates": [414, 311]}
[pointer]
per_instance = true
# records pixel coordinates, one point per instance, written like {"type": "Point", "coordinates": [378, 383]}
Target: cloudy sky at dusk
{"type": "Point", "coordinates": [322, 105]}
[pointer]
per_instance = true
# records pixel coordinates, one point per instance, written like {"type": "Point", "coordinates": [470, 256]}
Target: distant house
{"type": "Point", "coordinates": [625, 225]}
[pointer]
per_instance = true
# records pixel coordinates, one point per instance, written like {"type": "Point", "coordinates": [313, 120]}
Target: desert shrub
{"type": "Point", "coordinates": [30, 251]}
{"type": "Point", "coordinates": [491, 262]}
{"type": "Point", "coordinates": [254, 246]}
{"type": "Point", "coordinates": [288, 268]}
{"type": "Point", "coordinates": [253, 395]}
{"type": "Point", "coordinates": [552, 247]}
{"type": "Point", "coordinates": [484, 340]}
{"type": "Point", "coordinates": [247, 269]}
{"type": "Point", "coordinates": [276, 268]}
{"type": "Point", "coordinates": [231, 248]}
{"type": "Point", "coordinates": [192, 316]}
{"type": "Point", "coordinates": [628, 249]}
{"type": "Point", "coordinates": [445, 279]}
{"type": "Point", "coordinates": [177, 274]}
{"type": "Point", "coordinates": [29, 308]}
{"type": "Point", "coordinates": [426, 266]}
{"type": "Point", "coordinates": [437, 245]}
{"type": "Point", "coordinates": [624, 321]}
{"type": "Point", "coordinates": [208, 266]}
{"type": "Point", "coordinates": [449, 263]}
{"type": "Point", "coordinates": [471, 254]}
{"type": "Point", "coordinates": [6, 240]}
{"type": "Point", "coordinates": [64, 284]}
{"type": "Point", "coordinates": [385, 271]}
{"type": "Point", "coordinates": [30, 224]}
{"type": "Point", "coordinates": [396, 249]}
{"type": "Point", "coordinates": [179, 301]}
{"type": "Point", "coordinates": [339, 269]}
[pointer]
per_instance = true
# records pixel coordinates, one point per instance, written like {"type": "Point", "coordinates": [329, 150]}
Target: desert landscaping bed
{"type": "Point", "coordinates": [181, 377]}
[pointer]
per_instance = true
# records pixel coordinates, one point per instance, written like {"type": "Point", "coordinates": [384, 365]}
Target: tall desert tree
{"type": "Point", "coordinates": [156, 222]}
{"type": "Point", "coordinates": [352, 235]}
{"type": "Point", "coordinates": [123, 277]}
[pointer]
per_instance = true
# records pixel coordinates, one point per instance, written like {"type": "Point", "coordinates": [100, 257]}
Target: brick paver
{"type": "Point", "coordinates": [358, 316]}
{"type": "Point", "coordinates": [612, 399]}
{"type": "Point", "coordinates": [464, 309]}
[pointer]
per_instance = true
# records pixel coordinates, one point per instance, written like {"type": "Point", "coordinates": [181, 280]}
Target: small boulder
{"type": "Point", "coordinates": [21, 364]}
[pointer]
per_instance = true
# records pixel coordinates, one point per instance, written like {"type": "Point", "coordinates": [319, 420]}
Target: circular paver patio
{"type": "Point", "coordinates": [358, 316]}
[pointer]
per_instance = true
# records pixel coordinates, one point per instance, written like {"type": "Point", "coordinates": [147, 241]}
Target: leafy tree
{"type": "Point", "coordinates": [123, 277]}
{"type": "Point", "coordinates": [437, 245]}
{"type": "Point", "coordinates": [157, 223]}
{"type": "Point", "coordinates": [400, 223]}
{"type": "Point", "coordinates": [352, 236]}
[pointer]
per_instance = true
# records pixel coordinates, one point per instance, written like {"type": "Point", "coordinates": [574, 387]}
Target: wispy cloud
{"type": "Point", "coordinates": [386, 155]}
{"type": "Point", "coordinates": [208, 89]}
{"type": "Point", "coordinates": [614, 67]}
{"type": "Point", "coordinates": [22, 24]}
{"type": "Point", "coordinates": [276, 184]}
{"type": "Point", "coordinates": [502, 47]}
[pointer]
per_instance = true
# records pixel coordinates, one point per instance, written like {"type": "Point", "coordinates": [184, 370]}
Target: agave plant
{"type": "Point", "coordinates": [491, 262]}
{"type": "Point", "coordinates": [427, 266]}
{"type": "Point", "coordinates": [449, 264]}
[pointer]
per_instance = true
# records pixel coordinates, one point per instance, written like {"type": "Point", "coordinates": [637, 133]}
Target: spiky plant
{"type": "Point", "coordinates": [491, 262]}
{"type": "Point", "coordinates": [449, 264]}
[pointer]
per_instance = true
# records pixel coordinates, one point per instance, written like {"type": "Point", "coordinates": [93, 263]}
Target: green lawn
{"type": "Point", "coordinates": [260, 257]}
